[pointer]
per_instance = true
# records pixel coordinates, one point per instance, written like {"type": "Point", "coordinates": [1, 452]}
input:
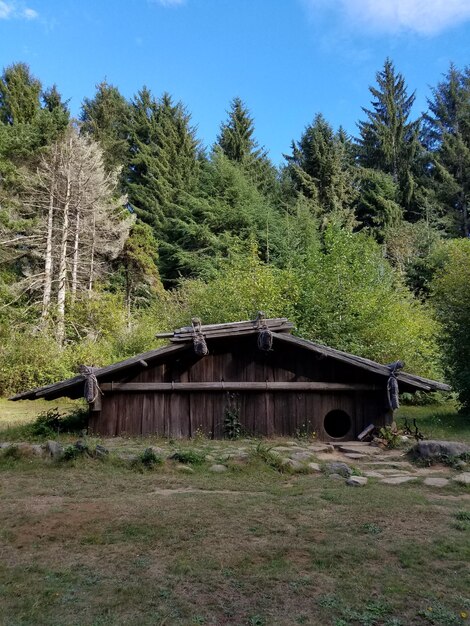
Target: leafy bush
{"type": "Point", "coordinates": [149, 459]}
{"type": "Point", "coordinates": [50, 423]}
{"type": "Point", "coordinates": [47, 423]}
{"type": "Point", "coordinates": [232, 427]}
{"type": "Point", "coordinates": [190, 457]}
{"type": "Point", "coordinates": [451, 295]}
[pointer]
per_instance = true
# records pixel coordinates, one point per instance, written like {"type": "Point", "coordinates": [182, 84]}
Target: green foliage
{"type": "Point", "coordinates": [451, 296]}
{"type": "Point", "coordinates": [391, 438]}
{"type": "Point", "coordinates": [51, 423]}
{"type": "Point", "coordinates": [447, 135]}
{"type": "Point", "coordinates": [320, 170]}
{"type": "Point", "coordinates": [106, 117]}
{"type": "Point", "coordinates": [19, 95]}
{"type": "Point", "coordinates": [270, 457]}
{"type": "Point", "coordinates": [232, 427]}
{"type": "Point", "coordinates": [351, 299]}
{"type": "Point", "coordinates": [149, 459]}
{"type": "Point", "coordinates": [188, 457]}
{"type": "Point", "coordinates": [388, 140]}
{"type": "Point", "coordinates": [305, 431]}
{"type": "Point", "coordinates": [28, 361]}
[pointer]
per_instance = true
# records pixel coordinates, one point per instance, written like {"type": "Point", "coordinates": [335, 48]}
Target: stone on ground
{"type": "Point", "coordinates": [435, 449]}
{"type": "Point", "coordinates": [218, 468]}
{"type": "Point", "coordinates": [302, 456]}
{"type": "Point", "coordinates": [292, 465]}
{"type": "Point", "coordinates": [463, 478]}
{"type": "Point", "coordinates": [185, 468]}
{"type": "Point", "coordinates": [337, 467]}
{"type": "Point", "coordinates": [313, 467]}
{"type": "Point", "coordinates": [354, 456]}
{"type": "Point", "coordinates": [435, 481]}
{"type": "Point", "coordinates": [54, 449]}
{"type": "Point", "coordinates": [398, 480]}
{"type": "Point", "coordinates": [357, 481]}
{"type": "Point", "coordinates": [336, 476]}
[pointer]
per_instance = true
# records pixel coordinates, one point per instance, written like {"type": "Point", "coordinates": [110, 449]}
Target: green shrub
{"type": "Point", "coordinates": [47, 424]}
{"type": "Point", "coordinates": [149, 459]}
{"type": "Point", "coordinates": [190, 457]}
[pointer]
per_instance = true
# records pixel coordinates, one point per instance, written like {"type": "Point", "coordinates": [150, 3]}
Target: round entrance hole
{"type": "Point", "coordinates": [337, 424]}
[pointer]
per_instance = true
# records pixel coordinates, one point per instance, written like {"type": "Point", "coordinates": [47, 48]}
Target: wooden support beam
{"type": "Point", "coordinates": [237, 386]}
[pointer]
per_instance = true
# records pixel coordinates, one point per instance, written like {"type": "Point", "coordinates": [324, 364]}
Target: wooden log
{"type": "Point", "coordinates": [232, 332]}
{"type": "Point", "coordinates": [237, 386]}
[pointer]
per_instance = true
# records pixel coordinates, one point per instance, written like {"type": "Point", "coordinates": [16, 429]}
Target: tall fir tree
{"type": "Point", "coordinates": [388, 139]}
{"type": "Point", "coordinates": [447, 134]}
{"type": "Point", "coordinates": [162, 172]}
{"type": "Point", "coordinates": [106, 118]}
{"type": "Point", "coordinates": [320, 169]}
{"type": "Point", "coordinates": [237, 142]}
{"type": "Point", "coordinates": [19, 95]}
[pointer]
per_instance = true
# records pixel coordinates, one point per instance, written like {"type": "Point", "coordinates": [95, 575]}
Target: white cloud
{"type": "Point", "coordinates": [5, 10]}
{"type": "Point", "coordinates": [425, 17]}
{"type": "Point", "coordinates": [30, 14]}
{"type": "Point", "coordinates": [10, 10]}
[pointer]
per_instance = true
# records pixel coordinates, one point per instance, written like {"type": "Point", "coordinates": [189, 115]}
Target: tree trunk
{"type": "Point", "coordinates": [92, 256]}
{"type": "Point", "coordinates": [46, 301]}
{"type": "Point", "coordinates": [75, 257]}
{"type": "Point", "coordinates": [63, 257]}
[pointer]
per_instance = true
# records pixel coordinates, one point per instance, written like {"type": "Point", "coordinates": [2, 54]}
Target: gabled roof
{"type": "Point", "coordinates": [182, 341]}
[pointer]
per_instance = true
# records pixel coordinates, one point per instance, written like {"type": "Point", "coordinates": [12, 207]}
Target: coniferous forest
{"type": "Point", "coordinates": [121, 223]}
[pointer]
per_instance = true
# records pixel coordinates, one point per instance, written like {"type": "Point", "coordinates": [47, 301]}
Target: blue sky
{"type": "Point", "coordinates": [287, 59]}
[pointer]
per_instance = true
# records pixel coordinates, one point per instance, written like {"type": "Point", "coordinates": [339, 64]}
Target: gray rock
{"type": "Point", "coordinates": [357, 481]}
{"type": "Point", "coordinates": [25, 449]}
{"type": "Point", "coordinates": [372, 474]}
{"type": "Point", "coordinates": [185, 469]}
{"type": "Point", "coordinates": [336, 476]}
{"type": "Point", "coordinates": [54, 449]}
{"type": "Point", "coordinates": [435, 481]}
{"type": "Point", "coordinates": [337, 467]}
{"type": "Point", "coordinates": [101, 452]}
{"type": "Point", "coordinates": [301, 456]}
{"type": "Point", "coordinates": [37, 449]}
{"type": "Point", "coordinates": [292, 465]}
{"type": "Point", "coordinates": [313, 467]}
{"type": "Point", "coordinates": [321, 447]}
{"type": "Point", "coordinates": [81, 446]}
{"type": "Point", "coordinates": [158, 451]}
{"type": "Point", "coordinates": [5, 445]}
{"type": "Point", "coordinates": [435, 449]}
{"type": "Point", "coordinates": [355, 449]}
{"type": "Point", "coordinates": [463, 479]}
{"type": "Point", "coordinates": [354, 456]}
{"type": "Point", "coordinates": [217, 468]}
{"type": "Point", "coordinates": [398, 480]}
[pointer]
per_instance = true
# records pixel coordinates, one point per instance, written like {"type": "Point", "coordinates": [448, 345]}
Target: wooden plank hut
{"type": "Point", "coordinates": [273, 383]}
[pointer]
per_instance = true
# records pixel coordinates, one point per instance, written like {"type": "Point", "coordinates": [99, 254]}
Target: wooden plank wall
{"type": "Point", "coordinates": [181, 414]}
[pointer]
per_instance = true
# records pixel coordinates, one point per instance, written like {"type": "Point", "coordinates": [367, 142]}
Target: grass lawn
{"type": "Point", "coordinates": [97, 543]}
{"type": "Point", "coordinates": [14, 414]}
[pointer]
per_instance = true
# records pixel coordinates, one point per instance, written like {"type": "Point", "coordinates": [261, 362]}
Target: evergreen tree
{"type": "Point", "coordinates": [377, 203]}
{"type": "Point", "coordinates": [162, 174]}
{"type": "Point", "coordinates": [105, 117]}
{"type": "Point", "coordinates": [19, 95]}
{"type": "Point", "coordinates": [320, 169]}
{"type": "Point", "coordinates": [236, 141]}
{"type": "Point", "coordinates": [388, 139]}
{"type": "Point", "coordinates": [447, 134]}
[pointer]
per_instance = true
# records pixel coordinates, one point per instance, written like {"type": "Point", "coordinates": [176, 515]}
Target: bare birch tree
{"type": "Point", "coordinates": [81, 224]}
